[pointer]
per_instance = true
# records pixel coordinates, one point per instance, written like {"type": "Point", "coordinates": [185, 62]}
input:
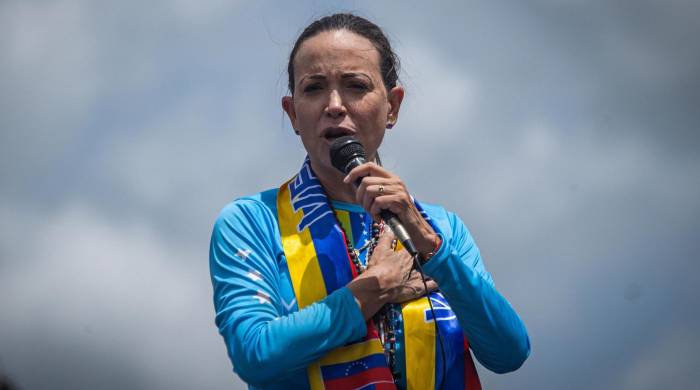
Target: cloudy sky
{"type": "Point", "coordinates": [564, 133]}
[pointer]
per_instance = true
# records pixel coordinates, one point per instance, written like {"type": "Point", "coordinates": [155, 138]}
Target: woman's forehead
{"type": "Point", "coordinates": [339, 48]}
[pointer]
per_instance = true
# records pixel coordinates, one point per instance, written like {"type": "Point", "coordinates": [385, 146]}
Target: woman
{"type": "Point", "coordinates": [307, 288]}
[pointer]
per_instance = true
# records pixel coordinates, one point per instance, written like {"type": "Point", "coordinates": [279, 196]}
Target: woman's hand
{"type": "Point", "coordinates": [382, 190]}
{"type": "Point", "coordinates": [401, 282]}
{"type": "Point", "coordinates": [388, 278]}
{"type": "Point", "coordinates": [413, 288]}
{"type": "Point", "coordinates": [391, 268]}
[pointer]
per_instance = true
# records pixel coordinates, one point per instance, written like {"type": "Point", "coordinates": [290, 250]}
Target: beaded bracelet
{"type": "Point", "coordinates": [424, 259]}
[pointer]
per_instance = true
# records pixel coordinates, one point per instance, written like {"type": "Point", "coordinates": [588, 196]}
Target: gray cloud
{"type": "Point", "coordinates": [564, 134]}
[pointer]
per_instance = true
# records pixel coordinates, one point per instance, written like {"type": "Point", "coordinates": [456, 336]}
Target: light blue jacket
{"type": "Point", "coordinates": [271, 342]}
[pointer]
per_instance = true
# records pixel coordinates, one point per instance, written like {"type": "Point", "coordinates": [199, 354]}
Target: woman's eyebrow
{"type": "Point", "coordinates": [354, 74]}
{"type": "Point", "coordinates": [313, 77]}
{"type": "Point", "coordinates": [344, 76]}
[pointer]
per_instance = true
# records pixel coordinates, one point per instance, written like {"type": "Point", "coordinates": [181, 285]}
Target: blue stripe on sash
{"type": "Point", "coordinates": [332, 258]}
{"type": "Point", "coordinates": [439, 364]}
{"type": "Point", "coordinates": [455, 373]}
{"type": "Point", "coordinates": [453, 339]}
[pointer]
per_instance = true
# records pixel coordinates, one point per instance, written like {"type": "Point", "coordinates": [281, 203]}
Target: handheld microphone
{"type": "Point", "coordinates": [348, 153]}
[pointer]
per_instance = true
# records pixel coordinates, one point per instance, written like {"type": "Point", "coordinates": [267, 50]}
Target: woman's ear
{"type": "Point", "coordinates": [395, 98]}
{"type": "Point", "coordinates": [288, 107]}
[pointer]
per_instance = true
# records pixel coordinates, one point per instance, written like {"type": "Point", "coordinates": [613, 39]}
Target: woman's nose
{"type": "Point", "coordinates": [335, 105]}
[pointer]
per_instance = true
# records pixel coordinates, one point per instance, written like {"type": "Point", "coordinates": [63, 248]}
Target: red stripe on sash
{"type": "Point", "coordinates": [379, 376]}
{"type": "Point", "coordinates": [471, 377]}
{"type": "Point", "coordinates": [371, 331]}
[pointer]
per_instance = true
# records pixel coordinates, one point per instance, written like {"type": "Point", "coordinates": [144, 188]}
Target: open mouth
{"type": "Point", "coordinates": [332, 133]}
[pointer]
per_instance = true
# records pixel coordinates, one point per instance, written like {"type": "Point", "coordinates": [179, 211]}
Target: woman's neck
{"type": "Point", "coordinates": [332, 182]}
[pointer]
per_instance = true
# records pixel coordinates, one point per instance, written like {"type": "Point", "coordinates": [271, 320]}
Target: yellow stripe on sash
{"type": "Point", "coordinates": [298, 247]}
{"type": "Point", "coordinates": [420, 345]}
{"type": "Point", "coordinates": [344, 219]}
{"type": "Point", "coordinates": [352, 352]}
{"type": "Point", "coordinates": [315, 377]}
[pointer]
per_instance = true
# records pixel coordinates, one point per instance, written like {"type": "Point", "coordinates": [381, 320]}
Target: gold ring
{"type": "Point", "coordinates": [381, 189]}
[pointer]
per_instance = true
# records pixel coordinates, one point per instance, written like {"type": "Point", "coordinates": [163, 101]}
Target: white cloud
{"type": "Point", "coordinates": [664, 362]}
{"type": "Point", "coordinates": [441, 98]}
{"type": "Point", "coordinates": [123, 288]}
{"type": "Point", "coordinates": [49, 75]}
{"type": "Point", "coordinates": [199, 13]}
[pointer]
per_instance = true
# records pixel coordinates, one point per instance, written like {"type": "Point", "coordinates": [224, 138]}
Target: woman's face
{"type": "Point", "coordinates": [338, 90]}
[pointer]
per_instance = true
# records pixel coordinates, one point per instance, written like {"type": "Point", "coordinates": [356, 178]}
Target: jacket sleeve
{"type": "Point", "coordinates": [264, 342]}
{"type": "Point", "coordinates": [496, 334]}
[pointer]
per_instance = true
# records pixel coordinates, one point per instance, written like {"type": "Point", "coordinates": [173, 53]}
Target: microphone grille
{"type": "Point", "coordinates": [344, 150]}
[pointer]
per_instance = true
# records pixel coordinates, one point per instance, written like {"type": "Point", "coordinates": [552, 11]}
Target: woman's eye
{"type": "Point", "coordinates": [312, 88]}
{"type": "Point", "coordinates": [358, 86]}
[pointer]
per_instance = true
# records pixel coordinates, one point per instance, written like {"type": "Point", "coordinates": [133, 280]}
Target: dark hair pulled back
{"type": "Point", "coordinates": [388, 61]}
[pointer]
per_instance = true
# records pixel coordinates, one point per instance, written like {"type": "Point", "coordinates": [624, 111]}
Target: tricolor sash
{"type": "Point", "coordinates": [318, 263]}
{"type": "Point", "coordinates": [422, 358]}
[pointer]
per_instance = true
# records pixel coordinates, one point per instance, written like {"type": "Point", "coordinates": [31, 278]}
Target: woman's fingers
{"type": "Point", "coordinates": [369, 169]}
{"type": "Point", "coordinates": [417, 281]}
{"type": "Point", "coordinates": [385, 240]}
{"type": "Point", "coordinates": [399, 262]}
{"type": "Point", "coordinates": [392, 203]}
{"type": "Point", "coordinates": [385, 250]}
{"type": "Point", "coordinates": [432, 285]}
{"type": "Point", "coordinates": [413, 289]}
{"type": "Point", "coordinates": [376, 194]}
{"type": "Point", "coordinates": [373, 187]}
{"type": "Point", "coordinates": [384, 247]}
{"type": "Point", "coordinates": [375, 181]}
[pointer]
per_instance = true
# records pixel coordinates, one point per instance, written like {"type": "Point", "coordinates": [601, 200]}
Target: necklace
{"type": "Point", "coordinates": [354, 254]}
{"type": "Point", "coordinates": [388, 318]}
